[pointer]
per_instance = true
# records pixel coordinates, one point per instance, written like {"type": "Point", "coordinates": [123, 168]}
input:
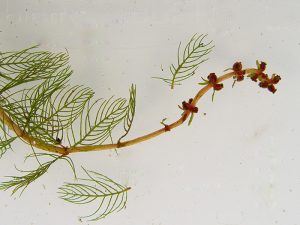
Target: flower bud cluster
{"type": "Point", "coordinates": [212, 79]}
{"type": "Point", "coordinates": [239, 72]}
{"type": "Point", "coordinates": [263, 78]}
{"type": "Point", "coordinates": [189, 107]}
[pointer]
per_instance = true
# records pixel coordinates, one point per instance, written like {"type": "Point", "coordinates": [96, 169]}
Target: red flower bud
{"type": "Point", "coordinates": [254, 77]}
{"type": "Point", "coordinates": [275, 79]}
{"type": "Point", "coordinates": [212, 78]}
{"type": "Point", "coordinates": [218, 87]}
{"type": "Point", "coordinates": [262, 66]}
{"type": "Point", "coordinates": [263, 84]}
{"type": "Point", "coordinates": [265, 81]}
{"type": "Point", "coordinates": [237, 67]}
{"type": "Point", "coordinates": [239, 77]}
{"type": "Point", "coordinates": [188, 106]}
{"type": "Point", "coordinates": [272, 88]}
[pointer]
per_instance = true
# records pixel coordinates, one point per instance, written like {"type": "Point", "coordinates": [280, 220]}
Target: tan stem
{"type": "Point", "coordinates": [29, 140]}
{"type": "Point", "coordinates": [66, 150]}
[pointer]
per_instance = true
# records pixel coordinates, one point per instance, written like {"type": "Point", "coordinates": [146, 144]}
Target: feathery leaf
{"type": "Point", "coordinates": [21, 182]}
{"type": "Point", "coordinates": [95, 130]}
{"type": "Point", "coordinates": [110, 195]}
{"type": "Point", "coordinates": [24, 66]}
{"type": "Point", "coordinates": [188, 60]}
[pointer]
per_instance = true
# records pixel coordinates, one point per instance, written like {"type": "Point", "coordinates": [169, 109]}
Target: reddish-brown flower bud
{"type": "Point", "coordinates": [212, 78]}
{"type": "Point", "coordinates": [265, 81]}
{"type": "Point", "coordinates": [239, 77]}
{"type": "Point", "coordinates": [263, 84]}
{"type": "Point", "coordinates": [272, 88]}
{"type": "Point", "coordinates": [237, 67]}
{"type": "Point", "coordinates": [254, 76]}
{"type": "Point", "coordinates": [275, 79]}
{"type": "Point", "coordinates": [239, 73]}
{"type": "Point", "coordinates": [218, 87]}
{"type": "Point", "coordinates": [188, 106]}
{"type": "Point", "coordinates": [262, 66]}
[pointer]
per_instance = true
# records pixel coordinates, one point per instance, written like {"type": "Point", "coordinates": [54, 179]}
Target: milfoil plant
{"type": "Point", "coordinates": [55, 119]}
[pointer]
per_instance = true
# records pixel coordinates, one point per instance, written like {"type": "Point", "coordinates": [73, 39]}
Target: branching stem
{"type": "Point", "coordinates": [66, 150]}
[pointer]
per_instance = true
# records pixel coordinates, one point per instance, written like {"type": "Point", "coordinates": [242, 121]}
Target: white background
{"type": "Point", "coordinates": [238, 165]}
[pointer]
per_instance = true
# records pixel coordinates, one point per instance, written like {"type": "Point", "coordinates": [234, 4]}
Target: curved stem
{"type": "Point", "coordinates": [66, 150]}
{"type": "Point", "coordinates": [29, 140]}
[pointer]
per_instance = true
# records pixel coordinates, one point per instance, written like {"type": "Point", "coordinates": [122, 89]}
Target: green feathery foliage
{"type": "Point", "coordinates": [21, 182]}
{"type": "Point", "coordinates": [45, 74]}
{"type": "Point", "coordinates": [39, 112]}
{"type": "Point", "coordinates": [109, 195]}
{"type": "Point", "coordinates": [35, 94]}
{"type": "Point", "coordinates": [20, 67]}
{"type": "Point", "coordinates": [52, 109]}
{"type": "Point", "coordinates": [188, 60]}
{"type": "Point", "coordinates": [109, 113]}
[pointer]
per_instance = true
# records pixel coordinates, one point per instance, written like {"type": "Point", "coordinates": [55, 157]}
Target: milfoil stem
{"type": "Point", "coordinates": [66, 150]}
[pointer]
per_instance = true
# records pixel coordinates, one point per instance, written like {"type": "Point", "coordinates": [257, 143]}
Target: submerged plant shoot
{"type": "Point", "coordinates": [55, 119]}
